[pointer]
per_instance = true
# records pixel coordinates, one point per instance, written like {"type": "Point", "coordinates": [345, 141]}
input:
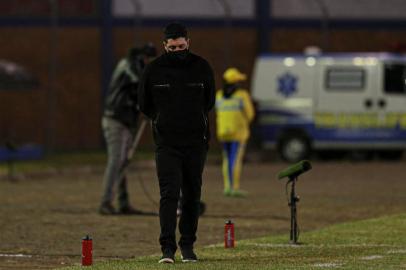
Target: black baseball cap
{"type": "Point", "coordinates": [175, 30]}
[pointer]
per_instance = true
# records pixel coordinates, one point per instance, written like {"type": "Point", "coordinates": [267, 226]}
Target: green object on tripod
{"type": "Point", "coordinates": [295, 170]}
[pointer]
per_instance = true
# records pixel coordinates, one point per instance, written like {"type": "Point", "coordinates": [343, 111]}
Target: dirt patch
{"type": "Point", "coordinates": [45, 217]}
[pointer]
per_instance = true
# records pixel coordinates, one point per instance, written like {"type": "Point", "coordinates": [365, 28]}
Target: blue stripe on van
{"type": "Point", "coordinates": [280, 122]}
{"type": "Point", "coordinates": [272, 133]}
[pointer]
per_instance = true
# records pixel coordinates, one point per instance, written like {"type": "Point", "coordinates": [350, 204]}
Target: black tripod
{"type": "Point", "coordinates": [292, 173]}
{"type": "Point", "coordinates": [293, 199]}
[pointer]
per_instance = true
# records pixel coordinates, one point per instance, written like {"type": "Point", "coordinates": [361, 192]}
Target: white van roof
{"type": "Point", "coordinates": [379, 55]}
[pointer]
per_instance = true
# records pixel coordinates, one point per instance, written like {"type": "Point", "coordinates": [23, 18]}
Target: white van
{"type": "Point", "coordinates": [354, 101]}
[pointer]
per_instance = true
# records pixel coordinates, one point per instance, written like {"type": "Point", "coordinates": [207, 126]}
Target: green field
{"type": "Point", "coordinates": [45, 214]}
{"type": "Point", "coordinates": [370, 244]}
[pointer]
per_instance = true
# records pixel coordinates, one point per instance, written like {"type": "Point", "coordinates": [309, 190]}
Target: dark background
{"type": "Point", "coordinates": [72, 55]}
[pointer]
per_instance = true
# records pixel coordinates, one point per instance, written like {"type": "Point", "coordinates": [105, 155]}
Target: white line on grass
{"type": "Point", "coordinates": [314, 246]}
{"type": "Point", "coordinates": [215, 245]}
{"type": "Point", "coordinates": [275, 245]}
{"type": "Point", "coordinates": [16, 255]}
{"type": "Point", "coordinates": [399, 251]}
{"type": "Point", "coordinates": [328, 265]}
{"type": "Point", "coordinates": [372, 257]}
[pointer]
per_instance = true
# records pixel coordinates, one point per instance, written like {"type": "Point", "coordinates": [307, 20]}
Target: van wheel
{"type": "Point", "coordinates": [293, 148]}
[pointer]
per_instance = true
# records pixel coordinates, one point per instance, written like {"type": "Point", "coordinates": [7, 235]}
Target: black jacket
{"type": "Point", "coordinates": [177, 96]}
{"type": "Point", "coordinates": [121, 99]}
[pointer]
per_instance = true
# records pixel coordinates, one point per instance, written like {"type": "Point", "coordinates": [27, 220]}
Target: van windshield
{"type": "Point", "coordinates": [395, 78]}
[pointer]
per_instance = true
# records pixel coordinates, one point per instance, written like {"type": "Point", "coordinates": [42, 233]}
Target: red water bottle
{"type": "Point", "coordinates": [87, 250]}
{"type": "Point", "coordinates": [229, 234]}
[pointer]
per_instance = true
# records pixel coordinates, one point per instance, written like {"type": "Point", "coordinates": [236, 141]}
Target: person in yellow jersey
{"type": "Point", "coordinates": [234, 111]}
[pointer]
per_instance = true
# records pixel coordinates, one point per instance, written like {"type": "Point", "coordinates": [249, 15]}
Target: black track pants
{"type": "Point", "coordinates": [179, 168]}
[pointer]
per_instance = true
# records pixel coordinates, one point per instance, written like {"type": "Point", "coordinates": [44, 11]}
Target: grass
{"type": "Point", "coordinates": [370, 244]}
{"type": "Point", "coordinates": [76, 159]}
{"type": "Point", "coordinates": [65, 161]}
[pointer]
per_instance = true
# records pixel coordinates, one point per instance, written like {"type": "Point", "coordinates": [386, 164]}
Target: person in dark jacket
{"type": "Point", "coordinates": [176, 92]}
{"type": "Point", "coordinates": [119, 124]}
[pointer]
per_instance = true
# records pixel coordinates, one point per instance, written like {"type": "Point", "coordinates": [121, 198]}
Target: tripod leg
{"type": "Point", "coordinates": [292, 221]}
{"type": "Point", "coordinates": [295, 232]}
{"type": "Point", "coordinates": [293, 214]}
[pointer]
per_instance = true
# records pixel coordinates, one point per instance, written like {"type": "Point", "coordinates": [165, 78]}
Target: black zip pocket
{"type": "Point", "coordinates": [165, 85]}
{"type": "Point", "coordinates": [199, 85]}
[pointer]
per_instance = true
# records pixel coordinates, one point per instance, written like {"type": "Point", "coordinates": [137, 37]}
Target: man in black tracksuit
{"type": "Point", "coordinates": [176, 92]}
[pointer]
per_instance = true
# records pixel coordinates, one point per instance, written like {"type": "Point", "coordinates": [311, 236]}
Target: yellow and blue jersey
{"type": "Point", "coordinates": [234, 115]}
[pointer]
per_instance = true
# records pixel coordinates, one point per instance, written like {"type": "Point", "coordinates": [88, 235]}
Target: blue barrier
{"type": "Point", "coordinates": [24, 152]}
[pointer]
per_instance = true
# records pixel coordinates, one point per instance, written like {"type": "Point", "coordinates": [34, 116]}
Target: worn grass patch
{"type": "Point", "coordinates": [371, 244]}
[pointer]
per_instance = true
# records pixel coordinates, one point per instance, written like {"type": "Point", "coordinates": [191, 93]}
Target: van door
{"type": "Point", "coordinates": [391, 102]}
{"type": "Point", "coordinates": [345, 111]}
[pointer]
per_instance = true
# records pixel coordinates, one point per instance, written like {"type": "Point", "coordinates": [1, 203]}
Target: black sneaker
{"type": "Point", "coordinates": [168, 256]}
{"type": "Point", "coordinates": [106, 209]}
{"type": "Point", "coordinates": [188, 255]}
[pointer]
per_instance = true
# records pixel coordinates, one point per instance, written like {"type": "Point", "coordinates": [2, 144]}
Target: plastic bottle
{"type": "Point", "coordinates": [229, 234]}
{"type": "Point", "coordinates": [87, 250]}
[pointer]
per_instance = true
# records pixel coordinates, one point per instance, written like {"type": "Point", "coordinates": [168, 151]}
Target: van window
{"type": "Point", "coordinates": [395, 78]}
{"type": "Point", "coordinates": [345, 79]}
